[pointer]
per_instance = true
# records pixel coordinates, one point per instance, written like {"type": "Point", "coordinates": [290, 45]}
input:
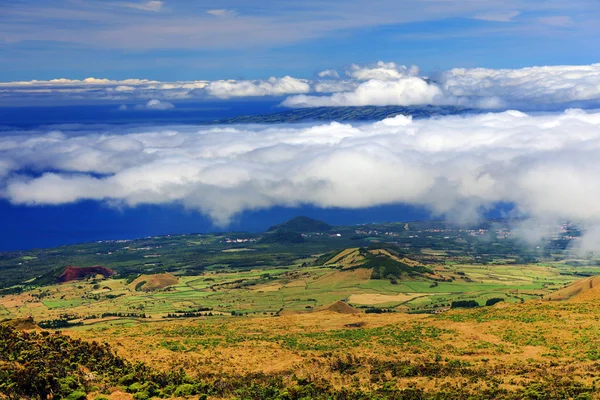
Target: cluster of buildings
{"type": "Point", "coordinates": [237, 240]}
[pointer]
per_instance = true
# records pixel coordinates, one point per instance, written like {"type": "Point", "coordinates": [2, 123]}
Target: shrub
{"type": "Point", "coordinates": [141, 396]}
{"type": "Point", "coordinates": [184, 390]}
{"type": "Point", "coordinates": [77, 395]}
{"type": "Point", "coordinates": [492, 301]}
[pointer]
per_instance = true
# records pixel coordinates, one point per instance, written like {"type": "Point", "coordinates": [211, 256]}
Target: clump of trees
{"type": "Point", "coordinates": [58, 323]}
{"type": "Point", "coordinates": [189, 314]}
{"type": "Point", "coordinates": [464, 304]}
{"type": "Point", "coordinates": [125, 315]}
{"type": "Point", "coordinates": [493, 300]}
{"type": "Point", "coordinates": [377, 310]}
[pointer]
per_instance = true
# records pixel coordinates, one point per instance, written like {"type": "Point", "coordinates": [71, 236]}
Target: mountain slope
{"type": "Point", "coordinates": [583, 290]}
{"type": "Point", "coordinates": [350, 113]}
{"type": "Point", "coordinates": [384, 262]}
{"type": "Point", "coordinates": [302, 225]}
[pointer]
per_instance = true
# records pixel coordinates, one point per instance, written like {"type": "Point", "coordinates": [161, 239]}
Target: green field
{"type": "Point", "coordinates": [416, 267]}
{"type": "Point", "coordinates": [295, 288]}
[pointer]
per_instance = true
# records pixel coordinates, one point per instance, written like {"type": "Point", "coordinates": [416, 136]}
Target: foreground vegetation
{"type": "Point", "coordinates": [303, 311]}
{"type": "Point", "coordinates": [534, 350]}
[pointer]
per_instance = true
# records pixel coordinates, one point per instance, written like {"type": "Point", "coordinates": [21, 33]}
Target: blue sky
{"type": "Point", "coordinates": [185, 40]}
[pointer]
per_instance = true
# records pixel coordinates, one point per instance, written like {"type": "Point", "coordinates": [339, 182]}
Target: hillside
{"type": "Point", "coordinates": [583, 290]}
{"type": "Point", "coordinates": [282, 237]}
{"type": "Point", "coordinates": [153, 282]}
{"type": "Point", "coordinates": [384, 262]}
{"type": "Point", "coordinates": [341, 308]}
{"type": "Point", "coordinates": [302, 225]}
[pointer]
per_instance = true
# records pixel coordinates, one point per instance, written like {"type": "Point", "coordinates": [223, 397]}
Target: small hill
{"type": "Point", "coordinates": [384, 262]}
{"type": "Point", "coordinates": [72, 273]}
{"type": "Point", "coordinates": [282, 237]}
{"type": "Point", "coordinates": [149, 283]}
{"type": "Point", "coordinates": [341, 308]}
{"type": "Point", "coordinates": [302, 225]}
{"type": "Point", "coordinates": [582, 290]}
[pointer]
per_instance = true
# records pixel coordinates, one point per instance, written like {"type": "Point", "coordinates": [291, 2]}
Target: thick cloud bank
{"type": "Point", "coordinates": [540, 85]}
{"type": "Point", "coordinates": [402, 92]}
{"type": "Point", "coordinates": [380, 84]}
{"type": "Point", "coordinates": [527, 88]}
{"type": "Point", "coordinates": [547, 165]}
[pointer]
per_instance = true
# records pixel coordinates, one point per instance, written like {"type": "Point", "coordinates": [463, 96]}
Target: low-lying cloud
{"type": "Point", "coordinates": [542, 88]}
{"type": "Point", "coordinates": [455, 166]}
{"type": "Point", "coordinates": [401, 92]}
{"type": "Point", "coordinates": [156, 104]}
{"type": "Point", "coordinates": [548, 88]}
{"type": "Point", "coordinates": [520, 87]}
{"type": "Point", "coordinates": [271, 87]}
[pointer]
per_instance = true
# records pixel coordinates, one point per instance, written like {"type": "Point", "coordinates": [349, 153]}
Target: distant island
{"type": "Point", "coordinates": [361, 113]}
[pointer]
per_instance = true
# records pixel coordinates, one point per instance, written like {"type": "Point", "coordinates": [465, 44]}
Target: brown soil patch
{"type": "Point", "coordinates": [376, 298]}
{"type": "Point", "coordinates": [342, 308]}
{"type": "Point", "coordinates": [76, 273]}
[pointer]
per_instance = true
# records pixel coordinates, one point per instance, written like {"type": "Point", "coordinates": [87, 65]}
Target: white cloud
{"type": "Point", "coordinates": [404, 91]}
{"type": "Point", "coordinates": [547, 165]}
{"type": "Point", "coordinates": [500, 16]}
{"type": "Point", "coordinates": [154, 5]}
{"type": "Point", "coordinates": [533, 88]}
{"type": "Point", "coordinates": [530, 88]}
{"type": "Point", "coordinates": [221, 13]}
{"type": "Point", "coordinates": [329, 73]}
{"type": "Point", "coordinates": [381, 71]}
{"type": "Point", "coordinates": [155, 104]}
{"type": "Point", "coordinates": [334, 86]}
{"type": "Point", "coordinates": [526, 87]}
{"type": "Point", "coordinates": [271, 87]}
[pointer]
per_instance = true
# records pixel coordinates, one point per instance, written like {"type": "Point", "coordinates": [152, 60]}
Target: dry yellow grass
{"type": "Point", "coordinates": [515, 343]}
{"type": "Point", "coordinates": [346, 277]}
{"type": "Point", "coordinates": [582, 290]}
{"type": "Point", "coordinates": [341, 255]}
{"type": "Point", "coordinates": [371, 299]}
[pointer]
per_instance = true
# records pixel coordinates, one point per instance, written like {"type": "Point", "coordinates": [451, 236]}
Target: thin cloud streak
{"type": "Point", "coordinates": [186, 27]}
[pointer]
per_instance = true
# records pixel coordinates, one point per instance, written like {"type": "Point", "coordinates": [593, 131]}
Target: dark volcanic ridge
{"type": "Point", "coordinates": [349, 113]}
